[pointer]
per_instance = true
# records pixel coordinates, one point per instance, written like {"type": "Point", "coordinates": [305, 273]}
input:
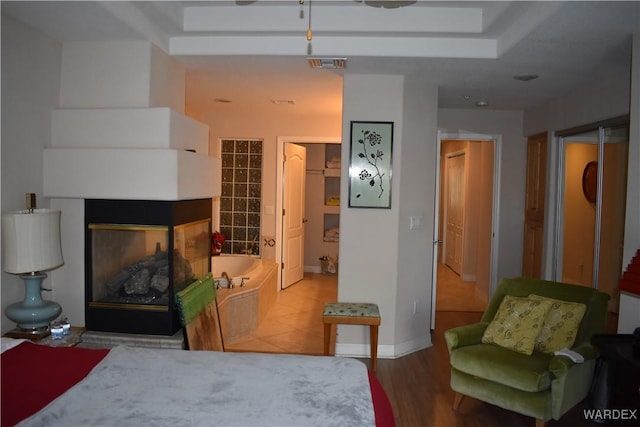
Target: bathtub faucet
{"type": "Point", "coordinates": [229, 281]}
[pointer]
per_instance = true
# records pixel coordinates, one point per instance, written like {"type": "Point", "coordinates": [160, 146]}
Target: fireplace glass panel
{"type": "Point", "coordinates": [130, 264]}
{"type": "Point", "coordinates": [191, 247]}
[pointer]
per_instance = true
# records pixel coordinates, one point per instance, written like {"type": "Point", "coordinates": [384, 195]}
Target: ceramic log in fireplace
{"type": "Point", "coordinates": [139, 253]}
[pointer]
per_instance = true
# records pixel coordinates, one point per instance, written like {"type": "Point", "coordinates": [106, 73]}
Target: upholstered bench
{"type": "Point", "coordinates": [349, 313]}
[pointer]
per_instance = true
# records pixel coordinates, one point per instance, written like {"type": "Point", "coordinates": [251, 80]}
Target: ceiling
{"type": "Point", "coordinates": [253, 53]}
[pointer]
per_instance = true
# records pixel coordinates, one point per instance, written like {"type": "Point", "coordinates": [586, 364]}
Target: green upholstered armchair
{"type": "Point", "coordinates": [539, 385]}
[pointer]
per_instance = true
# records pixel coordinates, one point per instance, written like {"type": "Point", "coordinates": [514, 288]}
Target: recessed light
{"type": "Point", "coordinates": [526, 77]}
{"type": "Point", "coordinates": [482, 103]}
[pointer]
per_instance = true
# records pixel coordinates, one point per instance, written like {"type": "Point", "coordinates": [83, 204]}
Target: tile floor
{"type": "Point", "coordinates": [294, 323]}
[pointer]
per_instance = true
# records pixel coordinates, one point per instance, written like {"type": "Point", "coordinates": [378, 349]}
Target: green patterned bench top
{"type": "Point", "coordinates": [351, 309]}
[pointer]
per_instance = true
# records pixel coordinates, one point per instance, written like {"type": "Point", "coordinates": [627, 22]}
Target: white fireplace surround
{"type": "Point", "coordinates": [120, 133]}
{"type": "Point", "coordinates": [130, 153]}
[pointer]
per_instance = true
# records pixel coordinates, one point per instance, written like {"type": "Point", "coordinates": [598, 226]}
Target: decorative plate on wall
{"type": "Point", "coordinates": [590, 181]}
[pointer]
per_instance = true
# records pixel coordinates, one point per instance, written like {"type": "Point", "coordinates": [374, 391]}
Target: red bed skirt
{"type": "Point", "coordinates": [34, 375]}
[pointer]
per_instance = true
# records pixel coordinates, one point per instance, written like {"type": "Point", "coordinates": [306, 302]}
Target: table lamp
{"type": "Point", "coordinates": [32, 246]}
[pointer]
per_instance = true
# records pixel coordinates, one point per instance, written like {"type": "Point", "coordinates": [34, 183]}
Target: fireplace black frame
{"type": "Point", "coordinates": [138, 212]}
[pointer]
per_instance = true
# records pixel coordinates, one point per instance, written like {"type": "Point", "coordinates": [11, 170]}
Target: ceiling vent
{"type": "Point", "coordinates": [333, 63]}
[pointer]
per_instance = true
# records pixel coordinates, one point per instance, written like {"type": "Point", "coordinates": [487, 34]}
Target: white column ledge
{"type": "Point", "coordinates": [130, 174]}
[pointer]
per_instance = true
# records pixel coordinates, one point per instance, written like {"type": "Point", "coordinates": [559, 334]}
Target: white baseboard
{"type": "Point", "coordinates": [312, 269]}
{"type": "Point", "coordinates": [384, 351]}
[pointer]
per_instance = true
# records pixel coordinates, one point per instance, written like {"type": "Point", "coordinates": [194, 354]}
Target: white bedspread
{"type": "Point", "coordinates": [140, 386]}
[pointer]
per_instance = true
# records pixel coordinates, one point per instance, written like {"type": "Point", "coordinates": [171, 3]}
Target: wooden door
{"type": "Point", "coordinates": [532, 253]}
{"type": "Point", "coordinates": [535, 193]}
{"type": "Point", "coordinates": [536, 177]}
{"type": "Point", "coordinates": [454, 211]}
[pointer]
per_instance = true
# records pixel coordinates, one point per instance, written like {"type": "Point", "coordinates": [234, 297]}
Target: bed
{"type": "Point", "coordinates": [44, 385]}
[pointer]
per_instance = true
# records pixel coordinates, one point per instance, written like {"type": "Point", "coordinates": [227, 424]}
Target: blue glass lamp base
{"type": "Point", "coordinates": [33, 313]}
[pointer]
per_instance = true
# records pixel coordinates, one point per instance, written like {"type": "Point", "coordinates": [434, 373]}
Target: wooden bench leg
{"type": "Point", "coordinates": [457, 400]}
{"type": "Point", "coordinates": [373, 337]}
{"type": "Point", "coordinates": [327, 337]}
{"type": "Point", "coordinates": [540, 423]}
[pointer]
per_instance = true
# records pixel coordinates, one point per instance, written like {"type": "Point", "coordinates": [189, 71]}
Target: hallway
{"type": "Point", "coordinates": [453, 294]}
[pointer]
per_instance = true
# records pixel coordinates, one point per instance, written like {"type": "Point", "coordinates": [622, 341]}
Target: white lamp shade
{"type": "Point", "coordinates": [31, 241]}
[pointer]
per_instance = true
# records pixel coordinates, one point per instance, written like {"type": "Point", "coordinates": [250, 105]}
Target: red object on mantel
{"type": "Point", "coordinates": [630, 281]}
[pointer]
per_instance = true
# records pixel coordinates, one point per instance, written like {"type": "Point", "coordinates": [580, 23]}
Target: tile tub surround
{"type": "Point", "coordinates": [243, 308]}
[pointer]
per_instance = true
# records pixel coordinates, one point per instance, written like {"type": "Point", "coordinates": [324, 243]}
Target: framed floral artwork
{"type": "Point", "coordinates": [370, 164]}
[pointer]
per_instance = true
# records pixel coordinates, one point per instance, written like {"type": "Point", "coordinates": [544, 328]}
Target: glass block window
{"type": "Point", "coordinates": [240, 202]}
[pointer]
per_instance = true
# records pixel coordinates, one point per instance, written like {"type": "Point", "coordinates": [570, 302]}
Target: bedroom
{"type": "Point", "coordinates": [401, 333]}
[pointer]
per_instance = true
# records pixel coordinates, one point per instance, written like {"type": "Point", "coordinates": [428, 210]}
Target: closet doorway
{"type": "Point", "coordinates": [591, 206]}
{"type": "Point", "coordinates": [280, 254]}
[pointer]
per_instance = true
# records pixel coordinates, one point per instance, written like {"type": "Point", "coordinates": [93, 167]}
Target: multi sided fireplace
{"type": "Point", "coordinates": [138, 254]}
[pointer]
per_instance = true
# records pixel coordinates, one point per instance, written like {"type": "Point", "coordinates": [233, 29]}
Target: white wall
{"type": "Point", "coordinates": [381, 260]}
{"type": "Point", "coordinates": [105, 74]}
{"type": "Point", "coordinates": [30, 87]}
{"type": "Point", "coordinates": [167, 81]}
{"type": "Point", "coordinates": [369, 242]}
{"type": "Point", "coordinates": [606, 98]}
{"type": "Point", "coordinates": [417, 176]}
{"type": "Point", "coordinates": [120, 74]}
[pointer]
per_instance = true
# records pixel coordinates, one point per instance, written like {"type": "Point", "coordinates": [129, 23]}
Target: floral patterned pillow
{"type": "Point", "coordinates": [561, 325]}
{"type": "Point", "coordinates": [517, 323]}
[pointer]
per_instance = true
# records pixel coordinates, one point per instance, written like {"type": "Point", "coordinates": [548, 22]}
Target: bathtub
{"type": "Point", "coordinates": [242, 308]}
{"type": "Point", "coordinates": [239, 268]}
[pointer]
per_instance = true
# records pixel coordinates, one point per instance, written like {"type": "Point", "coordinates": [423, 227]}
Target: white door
{"type": "Point", "coordinates": [454, 211]}
{"type": "Point", "coordinates": [293, 220]}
